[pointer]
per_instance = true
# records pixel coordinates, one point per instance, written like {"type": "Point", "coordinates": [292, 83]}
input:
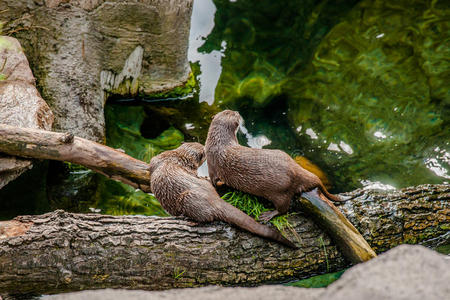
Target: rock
{"type": "Point", "coordinates": [20, 103]}
{"type": "Point", "coordinates": [83, 50]}
{"type": "Point", "coordinates": [405, 272]}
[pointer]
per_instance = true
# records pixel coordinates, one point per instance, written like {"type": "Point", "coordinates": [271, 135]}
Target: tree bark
{"type": "Point", "coordinates": [42, 144]}
{"type": "Point", "coordinates": [59, 251]}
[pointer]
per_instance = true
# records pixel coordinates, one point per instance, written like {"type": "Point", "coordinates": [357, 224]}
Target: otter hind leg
{"type": "Point", "coordinates": [282, 203]}
{"type": "Point", "coordinates": [268, 215]}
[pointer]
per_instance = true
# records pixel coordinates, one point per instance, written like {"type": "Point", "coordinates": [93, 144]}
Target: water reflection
{"type": "Point", "coordinates": [202, 23]}
{"type": "Point", "coordinates": [257, 142]}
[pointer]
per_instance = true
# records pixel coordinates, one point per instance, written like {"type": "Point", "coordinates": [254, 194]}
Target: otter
{"type": "Point", "coordinates": [182, 192]}
{"type": "Point", "coordinates": [271, 174]}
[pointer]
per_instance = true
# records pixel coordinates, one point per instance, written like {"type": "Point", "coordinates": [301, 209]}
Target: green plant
{"type": "Point", "coordinates": [254, 208]}
{"type": "Point", "coordinates": [178, 273]}
{"type": "Point", "coordinates": [325, 251]}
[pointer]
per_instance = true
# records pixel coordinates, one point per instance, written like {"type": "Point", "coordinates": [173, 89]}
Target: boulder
{"type": "Point", "coordinates": [81, 51]}
{"type": "Point", "coordinates": [20, 103]}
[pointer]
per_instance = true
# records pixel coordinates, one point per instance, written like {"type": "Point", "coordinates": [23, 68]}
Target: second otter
{"type": "Point", "coordinates": [271, 174]}
{"type": "Point", "coordinates": [180, 191]}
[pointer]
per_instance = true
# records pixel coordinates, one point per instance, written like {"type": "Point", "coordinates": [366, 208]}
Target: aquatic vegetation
{"type": "Point", "coordinates": [123, 131]}
{"type": "Point", "coordinates": [116, 198]}
{"type": "Point", "coordinates": [376, 96]}
{"type": "Point", "coordinates": [318, 281]}
{"type": "Point", "coordinates": [262, 41]}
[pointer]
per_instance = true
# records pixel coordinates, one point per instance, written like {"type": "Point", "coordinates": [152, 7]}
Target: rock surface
{"type": "Point", "coordinates": [20, 103]}
{"type": "Point", "coordinates": [82, 50]}
{"type": "Point", "coordinates": [405, 272]}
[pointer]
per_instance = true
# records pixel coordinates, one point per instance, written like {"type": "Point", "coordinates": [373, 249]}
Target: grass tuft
{"type": "Point", "coordinates": [254, 208]}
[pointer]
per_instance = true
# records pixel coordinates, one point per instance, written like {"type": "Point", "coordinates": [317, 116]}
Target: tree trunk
{"type": "Point", "coordinates": [60, 251]}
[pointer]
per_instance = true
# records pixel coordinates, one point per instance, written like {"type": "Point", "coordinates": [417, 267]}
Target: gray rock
{"type": "Point", "coordinates": [20, 103]}
{"type": "Point", "coordinates": [405, 272]}
{"type": "Point", "coordinates": [83, 50]}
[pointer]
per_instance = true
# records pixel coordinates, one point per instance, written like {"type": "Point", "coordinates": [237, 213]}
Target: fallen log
{"type": "Point", "coordinates": [60, 252]}
{"type": "Point", "coordinates": [117, 165]}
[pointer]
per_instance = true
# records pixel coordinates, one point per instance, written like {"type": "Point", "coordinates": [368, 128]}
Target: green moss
{"type": "Point", "coordinates": [5, 43]}
{"type": "Point", "coordinates": [445, 226]}
{"type": "Point", "coordinates": [317, 281]}
{"type": "Point", "coordinates": [3, 77]}
{"type": "Point", "coordinates": [71, 167]}
{"type": "Point", "coordinates": [178, 92]}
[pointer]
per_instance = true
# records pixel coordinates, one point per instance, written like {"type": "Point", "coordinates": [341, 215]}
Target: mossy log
{"type": "Point", "coordinates": [60, 251]}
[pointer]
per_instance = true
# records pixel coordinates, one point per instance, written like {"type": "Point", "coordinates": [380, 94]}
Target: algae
{"type": "Point", "coordinates": [376, 94]}
{"type": "Point", "coordinates": [262, 41]}
{"type": "Point", "coordinates": [178, 92]}
{"type": "Point", "coordinates": [123, 131]}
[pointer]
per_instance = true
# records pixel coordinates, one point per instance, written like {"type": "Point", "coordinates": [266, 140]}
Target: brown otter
{"type": "Point", "coordinates": [180, 191]}
{"type": "Point", "coordinates": [271, 174]}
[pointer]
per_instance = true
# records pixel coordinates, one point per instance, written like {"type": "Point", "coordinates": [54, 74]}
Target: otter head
{"type": "Point", "coordinates": [192, 154]}
{"type": "Point", "coordinates": [227, 119]}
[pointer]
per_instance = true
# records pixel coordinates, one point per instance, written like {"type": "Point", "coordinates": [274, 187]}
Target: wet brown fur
{"type": "Point", "coordinates": [181, 192]}
{"type": "Point", "coordinates": [271, 174]}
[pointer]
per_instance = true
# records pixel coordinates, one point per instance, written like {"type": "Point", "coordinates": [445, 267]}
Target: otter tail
{"type": "Point", "coordinates": [328, 195]}
{"type": "Point", "coordinates": [232, 215]}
